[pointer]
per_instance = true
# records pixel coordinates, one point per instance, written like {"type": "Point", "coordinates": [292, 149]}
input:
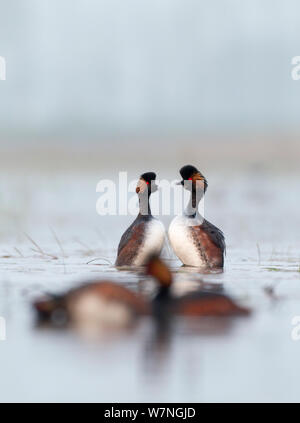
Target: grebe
{"type": "Point", "coordinates": [99, 304]}
{"type": "Point", "coordinates": [105, 305]}
{"type": "Point", "coordinates": [94, 305]}
{"type": "Point", "coordinates": [146, 235]}
{"type": "Point", "coordinates": [198, 302]}
{"type": "Point", "coordinates": [195, 241]}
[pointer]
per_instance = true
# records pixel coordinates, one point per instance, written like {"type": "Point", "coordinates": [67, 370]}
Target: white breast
{"type": "Point", "coordinates": [153, 242]}
{"type": "Point", "coordinates": [181, 240]}
{"type": "Point", "coordinates": [91, 311]}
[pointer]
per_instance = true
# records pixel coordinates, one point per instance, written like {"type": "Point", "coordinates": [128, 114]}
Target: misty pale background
{"type": "Point", "coordinates": [164, 79]}
{"type": "Point", "coordinates": [96, 87]}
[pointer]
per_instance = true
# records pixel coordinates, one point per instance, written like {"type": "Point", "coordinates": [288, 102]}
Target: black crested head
{"type": "Point", "coordinates": [188, 171]}
{"type": "Point", "coordinates": [149, 176]}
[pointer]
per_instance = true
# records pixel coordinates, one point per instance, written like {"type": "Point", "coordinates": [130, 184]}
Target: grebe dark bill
{"type": "Point", "coordinates": [195, 241]}
{"type": "Point", "coordinates": [146, 235]}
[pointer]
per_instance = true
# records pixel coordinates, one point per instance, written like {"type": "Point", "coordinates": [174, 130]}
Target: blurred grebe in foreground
{"type": "Point", "coordinates": [195, 241]}
{"type": "Point", "coordinates": [93, 306]}
{"type": "Point", "coordinates": [109, 305]}
{"type": "Point", "coordinates": [196, 303]}
{"type": "Point", "coordinates": [146, 235]}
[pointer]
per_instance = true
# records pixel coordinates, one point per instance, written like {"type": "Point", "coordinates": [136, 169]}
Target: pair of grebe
{"type": "Point", "coordinates": [106, 304]}
{"type": "Point", "coordinates": [195, 241]}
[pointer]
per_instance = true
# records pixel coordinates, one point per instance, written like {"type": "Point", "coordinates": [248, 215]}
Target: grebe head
{"type": "Point", "coordinates": [158, 269]}
{"type": "Point", "coordinates": [191, 173]}
{"type": "Point", "coordinates": [52, 309]}
{"type": "Point", "coordinates": [147, 183]}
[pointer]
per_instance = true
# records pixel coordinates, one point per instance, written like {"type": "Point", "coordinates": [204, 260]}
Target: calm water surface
{"type": "Point", "coordinates": [241, 359]}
